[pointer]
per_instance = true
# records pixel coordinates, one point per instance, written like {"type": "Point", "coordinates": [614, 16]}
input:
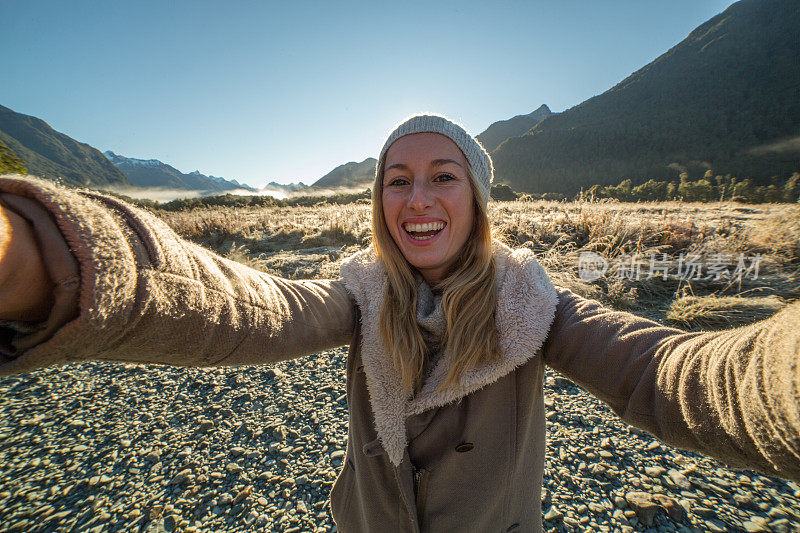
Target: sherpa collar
{"type": "Point", "coordinates": [525, 310]}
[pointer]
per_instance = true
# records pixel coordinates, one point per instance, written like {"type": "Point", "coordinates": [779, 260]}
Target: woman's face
{"type": "Point", "coordinates": [427, 201]}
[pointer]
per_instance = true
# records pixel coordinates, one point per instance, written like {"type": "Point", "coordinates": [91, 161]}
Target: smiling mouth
{"type": "Point", "coordinates": [422, 232]}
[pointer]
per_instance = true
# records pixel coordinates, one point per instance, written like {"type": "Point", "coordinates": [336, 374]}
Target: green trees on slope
{"type": "Point", "coordinates": [706, 189]}
{"type": "Point", "coordinates": [10, 163]}
{"type": "Point", "coordinates": [709, 188]}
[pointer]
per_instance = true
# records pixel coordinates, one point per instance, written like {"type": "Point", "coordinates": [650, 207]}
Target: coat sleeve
{"type": "Point", "coordinates": [733, 395]}
{"type": "Point", "coordinates": [128, 289]}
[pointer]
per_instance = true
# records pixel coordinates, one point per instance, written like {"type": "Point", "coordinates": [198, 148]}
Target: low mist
{"type": "Point", "coordinates": [163, 195]}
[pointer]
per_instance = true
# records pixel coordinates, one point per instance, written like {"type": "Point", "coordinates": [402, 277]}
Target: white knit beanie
{"type": "Point", "coordinates": [477, 156]}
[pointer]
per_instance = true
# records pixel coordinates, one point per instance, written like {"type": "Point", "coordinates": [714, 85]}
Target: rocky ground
{"type": "Point", "coordinates": [108, 447]}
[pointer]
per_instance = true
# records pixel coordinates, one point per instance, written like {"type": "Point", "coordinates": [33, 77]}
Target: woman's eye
{"type": "Point", "coordinates": [398, 181]}
{"type": "Point", "coordinates": [444, 177]}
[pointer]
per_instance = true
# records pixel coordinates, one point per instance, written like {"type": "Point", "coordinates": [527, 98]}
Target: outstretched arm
{"type": "Point", "coordinates": [733, 395]}
{"type": "Point", "coordinates": [140, 293]}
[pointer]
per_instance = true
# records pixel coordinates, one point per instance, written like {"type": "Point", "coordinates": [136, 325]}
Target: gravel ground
{"type": "Point", "coordinates": [111, 447]}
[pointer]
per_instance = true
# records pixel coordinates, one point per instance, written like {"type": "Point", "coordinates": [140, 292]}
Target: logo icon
{"type": "Point", "coordinates": [591, 266]}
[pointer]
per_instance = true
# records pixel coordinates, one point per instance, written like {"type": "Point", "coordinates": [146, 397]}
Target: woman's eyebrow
{"type": "Point", "coordinates": [434, 163]}
{"type": "Point", "coordinates": [440, 162]}
{"type": "Point", "coordinates": [401, 166]}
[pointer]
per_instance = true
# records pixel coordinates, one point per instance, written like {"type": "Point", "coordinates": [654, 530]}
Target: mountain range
{"type": "Point", "coordinates": [29, 143]}
{"type": "Point", "coordinates": [351, 175]}
{"type": "Point", "coordinates": [725, 99]}
{"type": "Point", "coordinates": [154, 173]}
{"type": "Point", "coordinates": [498, 132]}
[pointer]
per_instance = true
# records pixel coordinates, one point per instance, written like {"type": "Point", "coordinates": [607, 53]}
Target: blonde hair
{"type": "Point", "coordinates": [468, 300]}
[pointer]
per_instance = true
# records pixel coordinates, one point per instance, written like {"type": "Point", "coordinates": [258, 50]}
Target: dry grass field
{"type": "Point", "coordinates": [310, 242]}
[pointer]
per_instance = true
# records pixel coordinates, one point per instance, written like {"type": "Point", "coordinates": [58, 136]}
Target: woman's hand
{"type": "Point", "coordinates": [26, 291]}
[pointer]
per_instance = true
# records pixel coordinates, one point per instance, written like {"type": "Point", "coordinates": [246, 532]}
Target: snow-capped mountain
{"type": "Point", "coordinates": [154, 173]}
{"type": "Point", "coordinates": [221, 181]}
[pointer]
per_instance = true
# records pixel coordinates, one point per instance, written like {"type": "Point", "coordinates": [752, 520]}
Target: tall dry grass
{"type": "Point", "coordinates": [311, 242]}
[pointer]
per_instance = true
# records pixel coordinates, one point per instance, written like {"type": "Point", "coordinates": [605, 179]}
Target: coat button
{"type": "Point", "coordinates": [360, 368]}
{"type": "Point", "coordinates": [464, 447]}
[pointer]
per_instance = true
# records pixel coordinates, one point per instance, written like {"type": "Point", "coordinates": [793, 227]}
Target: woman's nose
{"type": "Point", "coordinates": [420, 196]}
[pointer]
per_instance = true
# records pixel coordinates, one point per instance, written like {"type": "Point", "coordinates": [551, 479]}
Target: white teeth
{"type": "Point", "coordinates": [428, 226]}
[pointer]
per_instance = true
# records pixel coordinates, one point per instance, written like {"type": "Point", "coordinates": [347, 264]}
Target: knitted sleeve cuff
{"type": "Point", "coordinates": [91, 291]}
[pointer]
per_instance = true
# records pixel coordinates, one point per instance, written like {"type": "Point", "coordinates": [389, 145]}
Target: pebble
{"type": "Point", "coordinates": [275, 373]}
{"type": "Point", "coordinates": [646, 505]}
{"type": "Point", "coordinates": [181, 477]}
{"type": "Point", "coordinates": [553, 514]}
{"type": "Point", "coordinates": [596, 507]}
{"type": "Point", "coordinates": [236, 451]}
{"type": "Point", "coordinates": [243, 494]}
{"type": "Point", "coordinates": [756, 524]}
{"type": "Point", "coordinates": [233, 468]}
{"type": "Point", "coordinates": [170, 522]}
{"type": "Point", "coordinates": [680, 481]}
{"type": "Point", "coordinates": [250, 518]}
{"type": "Point", "coordinates": [655, 471]}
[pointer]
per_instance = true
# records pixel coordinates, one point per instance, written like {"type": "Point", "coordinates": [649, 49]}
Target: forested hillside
{"type": "Point", "coordinates": [727, 98]}
{"type": "Point", "coordinates": [51, 154]}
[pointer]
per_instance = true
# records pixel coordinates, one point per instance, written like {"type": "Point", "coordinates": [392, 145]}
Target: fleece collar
{"type": "Point", "coordinates": [525, 310]}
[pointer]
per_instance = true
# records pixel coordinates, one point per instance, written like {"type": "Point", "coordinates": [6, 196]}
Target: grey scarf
{"type": "Point", "coordinates": [430, 317]}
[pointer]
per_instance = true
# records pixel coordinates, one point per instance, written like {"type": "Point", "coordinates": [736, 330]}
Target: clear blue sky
{"type": "Point", "coordinates": [285, 91]}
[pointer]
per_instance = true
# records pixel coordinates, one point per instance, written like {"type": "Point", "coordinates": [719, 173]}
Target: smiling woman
{"type": "Point", "coordinates": [449, 333]}
{"type": "Point", "coordinates": [431, 224]}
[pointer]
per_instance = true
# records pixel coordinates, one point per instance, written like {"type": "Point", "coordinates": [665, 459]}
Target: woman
{"type": "Point", "coordinates": [449, 335]}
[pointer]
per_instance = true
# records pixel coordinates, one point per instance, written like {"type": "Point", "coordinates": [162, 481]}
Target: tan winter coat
{"type": "Point", "coordinates": [471, 459]}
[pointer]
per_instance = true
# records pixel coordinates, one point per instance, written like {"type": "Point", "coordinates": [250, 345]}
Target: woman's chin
{"type": "Point", "coordinates": [432, 267]}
